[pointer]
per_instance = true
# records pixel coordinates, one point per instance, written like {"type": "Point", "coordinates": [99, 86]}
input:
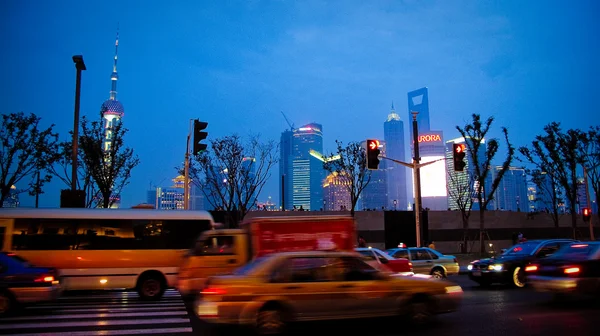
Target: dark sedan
{"type": "Point", "coordinates": [509, 268]}
{"type": "Point", "coordinates": [22, 283]}
{"type": "Point", "coordinates": [574, 270]}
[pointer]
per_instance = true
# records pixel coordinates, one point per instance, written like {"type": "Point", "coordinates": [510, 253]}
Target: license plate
{"type": "Point", "coordinates": [476, 273]}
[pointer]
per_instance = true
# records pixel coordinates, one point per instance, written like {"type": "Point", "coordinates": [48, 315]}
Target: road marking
{"type": "Point", "coordinates": [100, 315]}
{"type": "Point", "coordinates": [112, 332]}
{"type": "Point", "coordinates": [95, 323]}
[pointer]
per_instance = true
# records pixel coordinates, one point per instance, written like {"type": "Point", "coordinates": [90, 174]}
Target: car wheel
{"type": "Point", "coordinates": [270, 321]}
{"type": "Point", "coordinates": [150, 288]}
{"type": "Point", "coordinates": [518, 277]}
{"type": "Point", "coordinates": [419, 311]}
{"type": "Point", "coordinates": [7, 303]}
{"type": "Point", "coordinates": [438, 273]}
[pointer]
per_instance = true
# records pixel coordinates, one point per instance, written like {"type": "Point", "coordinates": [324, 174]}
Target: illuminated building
{"type": "Point", "coordinates": [306, 170]}
{"type": "Point", "coordinates": [336, 195]}
{"type": "Point", "coordinates": [434, 194]}
{"type": "Point", "coordinates": [12, 199]}
{"type": "Point", "coordinates": [375, 196]}
{"type": "Point", "coordinates": [286, 148]}
{"type": "Point", "coordinates": [171, 197]}
{"type": "Point", "coordinates": [465, 179]}
{"type": "Point", "coordinates": [511, 194]}
{"type": "Point", "coordinates": [582, 199]}
{"type": "Point", "coordinates": [112, 111]}
{"type": "Point", "coordinates": [393, 134]}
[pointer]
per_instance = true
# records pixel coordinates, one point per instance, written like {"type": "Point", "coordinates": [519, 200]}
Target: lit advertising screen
{"type": "Point", "coordinates": [433, 177]}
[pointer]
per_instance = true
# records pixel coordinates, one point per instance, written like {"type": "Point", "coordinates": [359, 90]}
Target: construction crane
{"type": "Point", "coordinates": [288, 122]}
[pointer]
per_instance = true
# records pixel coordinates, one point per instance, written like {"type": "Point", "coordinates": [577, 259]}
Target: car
{"type": "Point", "coordinates": [22, 283]}
{"type": "Point", "coordinates": [428, 261]}
{"type": "Point", "coordinates": [400, 266]}
{"type": "Point", "coordinates": [509, 267]}
{"type": "Point", "coordinates": [574, 270]}
{"type": "Point", "coordinates": [275, 290]}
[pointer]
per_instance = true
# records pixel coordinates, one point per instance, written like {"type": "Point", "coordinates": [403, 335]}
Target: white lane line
{"type": "Point", "coordinates": [110, 309]}
{"type": "Point", "coordinates": [38, 325]}
{"type": "Point", "coordinates": [99, 316]}
{"type": "Point", "coordinates": [116, 296]}
{"type": "Point", "coordinates": [112, 332]}
{"type": "Point", "coordinates": [105, 305]}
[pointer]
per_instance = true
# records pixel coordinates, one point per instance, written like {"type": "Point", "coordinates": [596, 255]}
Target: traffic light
{"type": "Point", "coordinates": [587, 214]}
{"type": "Point", "coordinates": [199, 135]}
{"type": "Point", "coordinates": [459, 152]}
{"type": "Point", "coordinates": [373, 154]}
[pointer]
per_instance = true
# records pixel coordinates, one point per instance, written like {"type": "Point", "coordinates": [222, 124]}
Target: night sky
{"type": "Point", "coordinates": [237, 64]}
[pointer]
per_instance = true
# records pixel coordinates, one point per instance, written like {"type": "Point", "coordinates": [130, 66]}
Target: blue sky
{"type": "Point", "coordinates": [237, 64]}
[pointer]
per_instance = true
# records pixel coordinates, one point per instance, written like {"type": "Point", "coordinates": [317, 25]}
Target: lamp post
{"type": "Point", "coordinates": [395, 203]}
{"type": "Point", "coordinates": [417, 177]}
{"type": "Point", "coordinates": [79, 65]}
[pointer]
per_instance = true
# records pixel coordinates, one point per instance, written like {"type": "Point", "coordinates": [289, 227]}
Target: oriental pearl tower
{"type": "Point", "coordinates": [112, 111]}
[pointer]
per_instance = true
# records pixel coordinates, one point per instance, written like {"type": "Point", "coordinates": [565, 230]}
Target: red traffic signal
{"type": "Point", "coordinates": [459, 151]}
{"type": "Point", "coordinates": [373, 154]}
{"type": "Point", "coordinates": [587, 214]}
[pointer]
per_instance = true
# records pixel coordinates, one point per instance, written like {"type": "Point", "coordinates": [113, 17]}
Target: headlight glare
{"type": "Point", "coordinates": [470, 267]}
{"type": "Point", "coordinates": [496, 267]}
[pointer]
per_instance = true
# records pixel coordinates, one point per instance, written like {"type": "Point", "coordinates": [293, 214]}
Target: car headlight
{"type": "Point", "coordinates": [470, 267]}
{"type": "Point", "coordinates": [453, 289]}
{"type": "Point", "coordinates": [496, 267]}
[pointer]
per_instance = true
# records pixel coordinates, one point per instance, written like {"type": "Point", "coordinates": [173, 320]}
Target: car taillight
{"type": "Point", "coordinates": [531, 268]}
{"type": "Point", "coordinates": [572, 270]}
{"type": "Point", "coordinates": [213, 291]}
{"type": "Point", "coordinates": [45, 278]}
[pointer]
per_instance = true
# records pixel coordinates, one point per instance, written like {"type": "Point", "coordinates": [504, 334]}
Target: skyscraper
{"type": "Point", "coordinates": [511, 194]}
{"type": "Point", "coordinates": [418, 101]}
{"type": "Point", "coordinates": [393, 134]}
{"type": "Point", "coordinates": [285, 169]}
{"type": "Point", "coordinates": [336, 194]}
{"type": "Point", "coordinates": [307, 169]}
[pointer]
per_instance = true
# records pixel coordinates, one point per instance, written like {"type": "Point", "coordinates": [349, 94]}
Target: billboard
{"type": "Point", "coordinates": [433, 177]}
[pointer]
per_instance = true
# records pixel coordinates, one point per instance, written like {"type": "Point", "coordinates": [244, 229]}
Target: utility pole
{"type": "Point", "coordinates": [79, 65]}
{"type": "Point", "coordinates": [417, 176]}
{"type": "Point", "coordinates": [186, 170]}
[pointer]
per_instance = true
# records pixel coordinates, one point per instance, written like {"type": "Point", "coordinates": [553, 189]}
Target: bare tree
{"type": "Point", "coordinates": [461, 191]}
{"type": "Point", "coordinates": [557, 154]}
{"type": "Point", "coordinates": [106, 159]}
{"type": "Point", "coordinates": [62, 170]}
{"type": "Point", "coordinates": [232, 174]}
{"type": "Point", "coordinates": [550, 193]}
{"type": "Point", "coordinates": [26, 150]}
{"type": "Point", "coordinates": [474, 135]}
{"type": "Point", "coordinates": [590, 152]}
{"type": "Point", "coordinates": [351, 162]}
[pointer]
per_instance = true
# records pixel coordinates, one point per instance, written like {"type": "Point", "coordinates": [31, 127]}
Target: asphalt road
{"type": "Point", "coordinates": [492, 311]}
{"type": "Point", "coordinates": [495, 311]}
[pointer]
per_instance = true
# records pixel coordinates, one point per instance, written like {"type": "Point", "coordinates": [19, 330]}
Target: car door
{"type": "Point", "coordinates": [308, 285]}
{"type": "Point", "coordinates": [421, 260]}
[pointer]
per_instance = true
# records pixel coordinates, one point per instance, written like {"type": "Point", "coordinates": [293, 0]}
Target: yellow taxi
{"type": "Point", "coordinates": [275, 290]}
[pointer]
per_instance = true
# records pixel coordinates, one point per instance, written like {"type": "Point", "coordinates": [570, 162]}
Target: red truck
{"type": "Point", "coordinates": [221, 251]}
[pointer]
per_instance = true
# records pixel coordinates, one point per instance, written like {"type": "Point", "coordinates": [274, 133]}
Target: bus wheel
{"type": "Point", "coordinates": [151, 286]}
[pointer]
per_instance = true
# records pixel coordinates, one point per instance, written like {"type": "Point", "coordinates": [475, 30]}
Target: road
{"type": "Point", "coordinates": [497, 311]}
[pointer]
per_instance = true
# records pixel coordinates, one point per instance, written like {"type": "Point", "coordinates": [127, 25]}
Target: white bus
{"type": "Point", "coordinates": [93, 249]}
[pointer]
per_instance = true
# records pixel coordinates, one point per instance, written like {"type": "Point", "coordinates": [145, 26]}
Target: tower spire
{"type": "Point", "coordinates": [114, 76]}
{"type": "Point", "coordinates": [392, 105]}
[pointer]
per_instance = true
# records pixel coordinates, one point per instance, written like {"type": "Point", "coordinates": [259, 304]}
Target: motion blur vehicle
{"type": "Point", "coordinates": [22, 283]}
{"type": "Point", "coordinates": [573, 270]}
{"type": "Point", "coordinates": [400, 266]}
{"type": "Point", "coordinates": [221, 251]}
{"type": "Point", "coordinates": [427, 261]}
{"type": "Point", "coordinates": [98, 249]}
{"type": "Point", "coordinates": [509, 267]}
{"type": "Point", "coordinates": [273, 291]}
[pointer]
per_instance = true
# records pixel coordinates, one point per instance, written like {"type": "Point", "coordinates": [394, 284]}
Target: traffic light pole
{"type": "Point", "coordinates": [587, 192]}
{"type": "Point", "coordinates": [186, 185]}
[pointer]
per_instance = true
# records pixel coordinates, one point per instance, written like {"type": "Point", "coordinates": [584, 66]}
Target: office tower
{"type": "Point", "coordinates": [285, 169]}
{"type": "Point", "coordinates": [336, 196]}
{"type": "Point", "coordinates": [393, 135]}
{"type": "Point", "coordinates": [459, 182]}
{"type": "Point", "coordinates": [511, 194]}
{"type": "Point", "coordinates": [418, 101]}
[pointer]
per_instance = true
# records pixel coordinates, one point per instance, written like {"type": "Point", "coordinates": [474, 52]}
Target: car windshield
{"type": "Point", "coordinates": [576, 251]}
{"type": "Point", "coordinates": [251, 266]}
{"type": "Point", "coordinates": [522, 248]}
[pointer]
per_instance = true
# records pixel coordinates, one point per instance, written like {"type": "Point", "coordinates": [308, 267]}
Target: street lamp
{"type": "Point", "coordinates": [395, 203]}
{"type": "Point", "coordinates": [79, 65]}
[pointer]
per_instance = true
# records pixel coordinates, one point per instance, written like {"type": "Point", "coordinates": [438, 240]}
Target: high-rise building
{"type": "Point", "coordinates": [434, 194]}
{"type": "Point", "coordinates": [393, 135]}
{"type": "Point", "coordinates": [418, 101]}
{"type": "Point", "coordinates": [511, 194]}
{"type": "Point", "coordinates": [462, 183]}
{"type": "Point", "coordinates": [12, 200]}
{"type": "Point", "coordinates": [303, 167]}
{"type": "Point", "coordinates": [582, 199]}
{"type": "Point", "coordinates": [336, 196]}
{"type": "Point", "coordinates": [112, 111]}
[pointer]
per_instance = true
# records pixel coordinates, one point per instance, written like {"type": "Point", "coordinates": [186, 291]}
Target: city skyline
{"type": "Point", "coordinates": [316, 62]}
